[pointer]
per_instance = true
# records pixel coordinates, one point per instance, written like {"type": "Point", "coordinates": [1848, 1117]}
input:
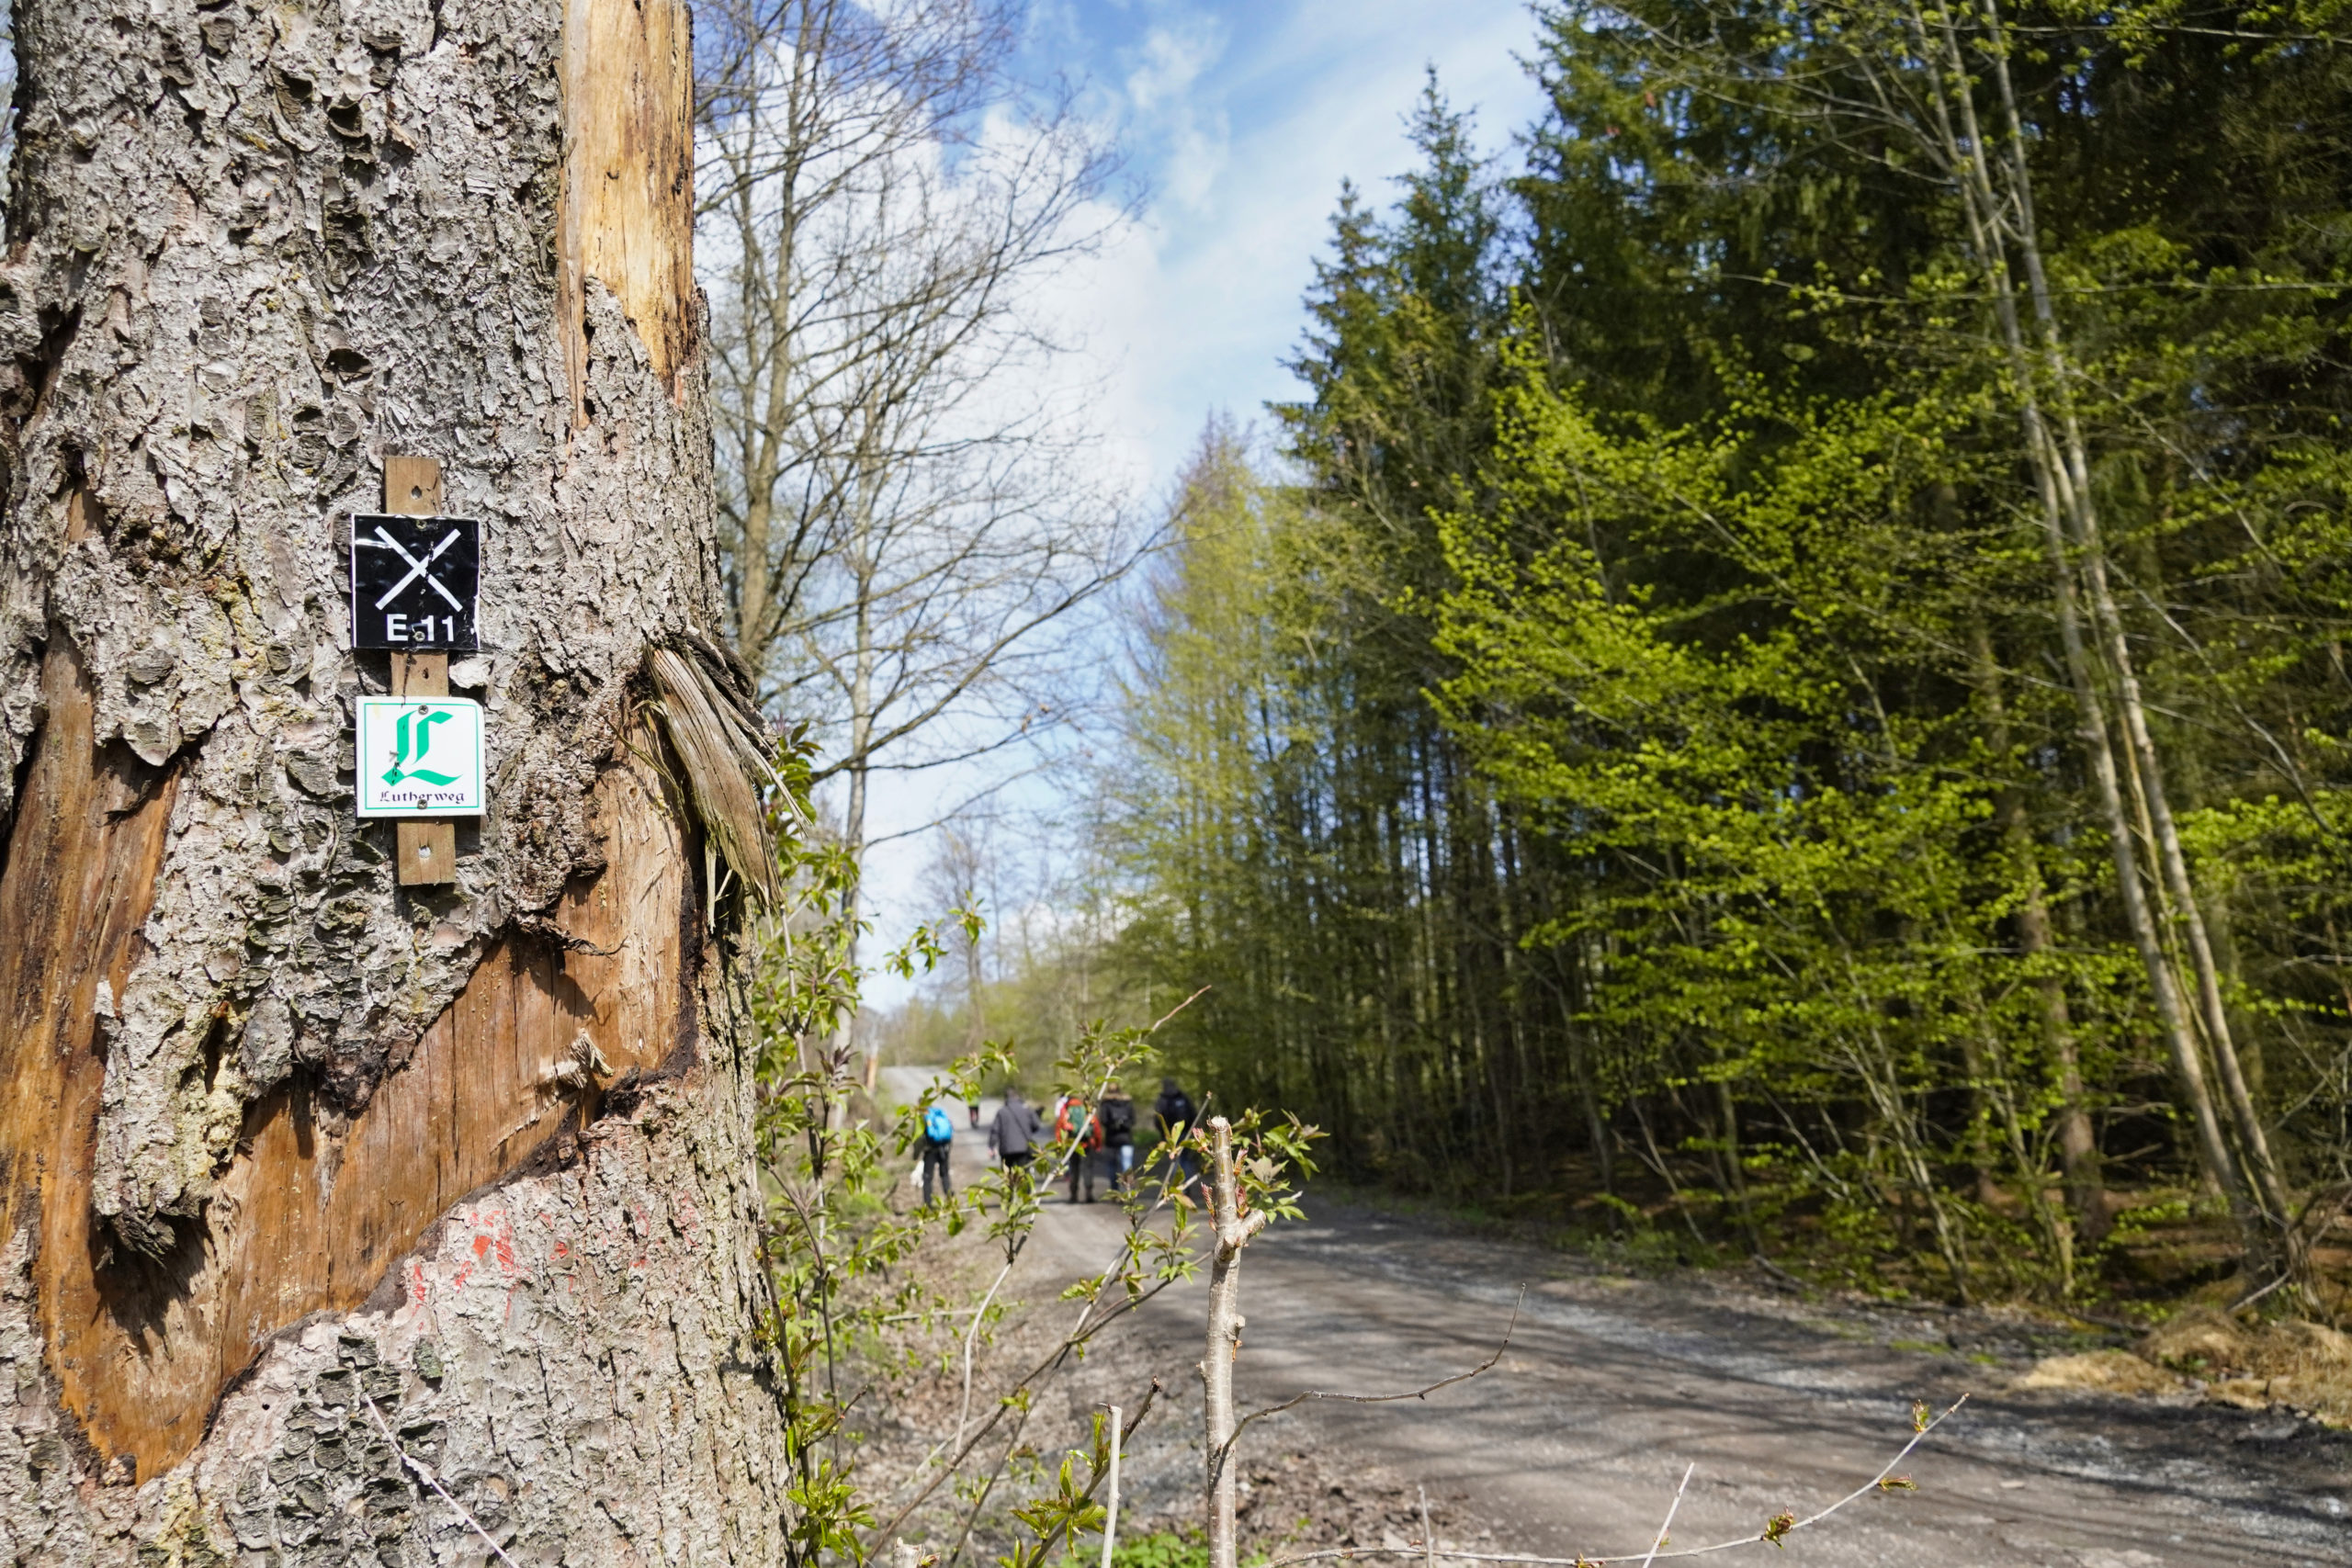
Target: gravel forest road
{"type": "Point", "coordinates": [1610, 1386]}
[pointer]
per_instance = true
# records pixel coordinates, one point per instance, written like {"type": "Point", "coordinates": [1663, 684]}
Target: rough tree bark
{"type": "Point", "coordinates": [278, 1138]}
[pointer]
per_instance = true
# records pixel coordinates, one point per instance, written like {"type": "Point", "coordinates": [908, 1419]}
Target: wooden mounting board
{"type": "Point", "coordinates": [427, 851]}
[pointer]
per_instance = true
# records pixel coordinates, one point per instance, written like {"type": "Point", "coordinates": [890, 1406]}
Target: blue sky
{"type": "Point", "coordinates": [1239, 122]}
{"type": "Point", "coordinates": [1242, 119]}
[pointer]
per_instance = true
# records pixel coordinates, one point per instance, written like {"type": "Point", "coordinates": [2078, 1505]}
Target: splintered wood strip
{"type": "Point", "coordinates": [626, 214]}
{"type": "Point", "coordinates": [426, 852]}
{"type": "Point", "coordinates": [317, 1209]}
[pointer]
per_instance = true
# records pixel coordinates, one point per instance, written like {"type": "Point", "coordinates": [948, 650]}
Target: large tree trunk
{"type": "Point", "coordinates": [290, 1156]}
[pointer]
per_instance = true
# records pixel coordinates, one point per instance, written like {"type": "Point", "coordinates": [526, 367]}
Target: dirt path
{"type": "Point", "coordinates": [1610, 1386]}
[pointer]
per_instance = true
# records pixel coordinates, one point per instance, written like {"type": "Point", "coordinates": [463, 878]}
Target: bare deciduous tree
{"type": "Point", "coordinates": [963, 874]}
{"type": "Point", "coordinates": [886, 207]}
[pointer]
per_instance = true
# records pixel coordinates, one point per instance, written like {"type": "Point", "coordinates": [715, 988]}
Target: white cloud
{"type": "Point", "coordinates": [1171, 61]}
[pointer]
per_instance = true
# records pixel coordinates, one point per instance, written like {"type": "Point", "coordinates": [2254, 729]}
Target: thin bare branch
{"type": "Point", "coordinates": [1879, 1482]}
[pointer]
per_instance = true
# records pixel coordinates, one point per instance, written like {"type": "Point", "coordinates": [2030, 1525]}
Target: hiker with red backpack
{"type": "Point", "coordinates": [1081, 1130]}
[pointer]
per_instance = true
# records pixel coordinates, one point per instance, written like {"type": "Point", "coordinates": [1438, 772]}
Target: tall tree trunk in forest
{"type": "Point", "coordinates": [1579, 1052]}
{"type": "Point", "coordinates": [2260, 1170]}
{"type": "Point", "coordinates": [2077, 1148]}
{"type": "Point", "coordinates": [1958, 137]}
{"type": "Point", "coordinates": [302, 1171]}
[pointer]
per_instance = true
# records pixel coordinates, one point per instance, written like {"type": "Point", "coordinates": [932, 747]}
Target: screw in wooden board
{"type": "Point", "coordinates": [426, 851]}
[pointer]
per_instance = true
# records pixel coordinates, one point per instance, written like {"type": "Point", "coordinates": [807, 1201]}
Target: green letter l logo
{"type": "Point", "coordinates": [425, 719]}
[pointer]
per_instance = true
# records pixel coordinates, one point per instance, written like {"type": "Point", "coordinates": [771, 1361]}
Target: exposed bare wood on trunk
{"type": "Point", "coordinates": [317, 1207]}
{"type": "Point", "coordinates": [84, 850]}
{"type": "Point", "coordinates": [629, 200]}
{"type": "Point", "coordinates": [357, 258]}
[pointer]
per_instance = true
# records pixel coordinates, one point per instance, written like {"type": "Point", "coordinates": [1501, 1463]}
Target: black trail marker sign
{"type": "Point", "coordinates": [415, 581]}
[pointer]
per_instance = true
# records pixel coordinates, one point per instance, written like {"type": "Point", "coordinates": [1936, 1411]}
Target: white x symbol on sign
{"type": "Point", "coordinates": [416, 568]}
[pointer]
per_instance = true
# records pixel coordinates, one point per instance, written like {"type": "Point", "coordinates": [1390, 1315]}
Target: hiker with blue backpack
{"type": "Point", "coordinates": [938, 1136]}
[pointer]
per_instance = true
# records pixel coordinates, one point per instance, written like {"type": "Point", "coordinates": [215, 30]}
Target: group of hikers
{"type": "Point", "coordinates": [1100, 1137]}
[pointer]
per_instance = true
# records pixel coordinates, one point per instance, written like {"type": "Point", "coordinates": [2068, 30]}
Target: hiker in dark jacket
{"type": "Point", "coordinates": [1077, 1125]}
{"type": "Point", "coordinates": [1175, 1113]}
{"type": "Point", "coordinates": [1174, 1110]}
{"type": "Point", "coordinates": [1118, 1113]}
{"type": "Point", "coordinates": [1015, 1133]}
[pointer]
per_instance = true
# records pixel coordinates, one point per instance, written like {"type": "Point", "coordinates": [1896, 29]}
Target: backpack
{"type": "Point", "coordinates": [1077, 1118]}
{"type": "Point", "coordinates": [1118, 1117]}
{"type": "Point", "coordinates": [938, 1126]}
